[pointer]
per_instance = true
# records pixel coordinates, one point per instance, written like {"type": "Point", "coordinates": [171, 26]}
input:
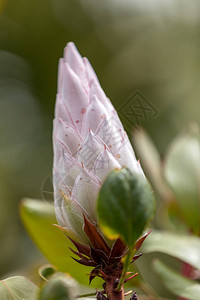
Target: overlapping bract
{"type": "Point", "coordinates": [89, 141]}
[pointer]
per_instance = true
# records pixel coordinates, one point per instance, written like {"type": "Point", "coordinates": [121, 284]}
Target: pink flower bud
{"type": "Point", "coordinates": [89, 141]}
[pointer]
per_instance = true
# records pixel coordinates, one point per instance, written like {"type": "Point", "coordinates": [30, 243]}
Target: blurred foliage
{"type": "Point", "coordinates": [58, 286]}
{"type": "Point", "coordinates": [182, 173]}
{"type": "Point", "coordinates": [175, 180]}
{"type": "Point", "coordinates": [176, 283]}
{"type": "Point", "coordinates": [38, 218]}
{"type": "Point", "coordinates": [18, 287]}
{"type": "Point", "coordinates": [150, 46]}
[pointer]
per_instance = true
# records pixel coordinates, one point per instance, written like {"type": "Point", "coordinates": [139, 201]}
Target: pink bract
{"type": "Point", "coordinates": [89, 141]}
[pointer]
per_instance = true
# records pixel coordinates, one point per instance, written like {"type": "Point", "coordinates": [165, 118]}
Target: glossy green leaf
{"type": "Point", "coordinates": [18, 288]}
{"type": "Point", "coordinates": [176, 283]}
{"type": "Point", "coordinates": [182, 247]}
{"type": "Point", "coordinates": [38, 218]}
{"type": "Point", "coordinates": [182, 172]}
{"type": "Point", "coordinates": [125, 205]}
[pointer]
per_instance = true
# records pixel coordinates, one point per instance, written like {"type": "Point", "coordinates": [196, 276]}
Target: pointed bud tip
{"type": "Point", "coordinates": [73, 58]}
{"type": "Point", "coordinates": [70, 49]}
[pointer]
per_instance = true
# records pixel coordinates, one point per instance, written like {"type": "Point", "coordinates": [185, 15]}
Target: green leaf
{"type": "Point", "coordinates": [18, 288]}
{"type": "Point", "coordinates": [182, 172]}
{"type": "Point", "coordinates": [176, 283]}
{"type": "Point", "coordinates": [182, 247]}
{"type": "Point", "coordinates": [125, 205]}
{"type": "Point", "coordinates": [38, 218]}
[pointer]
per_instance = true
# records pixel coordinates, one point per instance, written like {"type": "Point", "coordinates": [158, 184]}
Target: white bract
{"type": "Point", "coordinates": [89, 141]}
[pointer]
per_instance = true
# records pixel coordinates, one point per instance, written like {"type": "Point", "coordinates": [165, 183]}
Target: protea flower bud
{"type": "Point", "coordinates": [89, 141]}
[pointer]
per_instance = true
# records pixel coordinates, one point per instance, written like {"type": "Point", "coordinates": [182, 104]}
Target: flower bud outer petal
{"type": "Point", "coordinates": [96, 112]}
{"type": "Point", "coordinates": [111, 134]}
{"type": "Point", "coordinates": [90, 73]}
{"type": "Point", "coordinates": [89, 151]}
{"type": "Point", "coordinates": [104, 164]}
{"type": "Point", "coordinates": [68, 135]}
{"type": "Point", "coordinates": [96, 90]}
{"type": "Point", "coordinates": [61, 110]}
{"type": "Point", "coordinates": [68, 170]}
{"type": "Point", "coordinates": [74, 59]}
{"type": "Point", "coordinates": [85, 191]}
{"type": "Point", "coordinates": [69, 212]}
{"type": "Point", "coordinates": [73, 94]}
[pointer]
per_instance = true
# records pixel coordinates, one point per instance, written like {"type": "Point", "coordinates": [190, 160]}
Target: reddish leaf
{"type": "Point", "coordinates": [93, 274]}
{"type": "Point", "coordinates": [98, 255]}
{"type": "Point", "coordinates": [79, 254]}
{"type": "Point", "coordinates": [118, 249]}
{"type": "Point", "coordinates": [139, 242]}
{"type": "Point", "coordinates": [85, 262]}
{"type": "Point", "coordinates": [136, 257]}
{"type": "Point", "coordinates": [95, 237]}
{"type": "Point", "coordinates": [81, 248]}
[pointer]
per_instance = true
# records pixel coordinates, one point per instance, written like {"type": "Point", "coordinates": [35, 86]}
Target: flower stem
{"type": "Point", "coordinates": [111, 292]}
{"type": "Point", "coordinates": [126, 265]}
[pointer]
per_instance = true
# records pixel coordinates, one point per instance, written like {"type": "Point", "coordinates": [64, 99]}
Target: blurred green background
{"type": "Point", "coordinates": [150, 46]}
